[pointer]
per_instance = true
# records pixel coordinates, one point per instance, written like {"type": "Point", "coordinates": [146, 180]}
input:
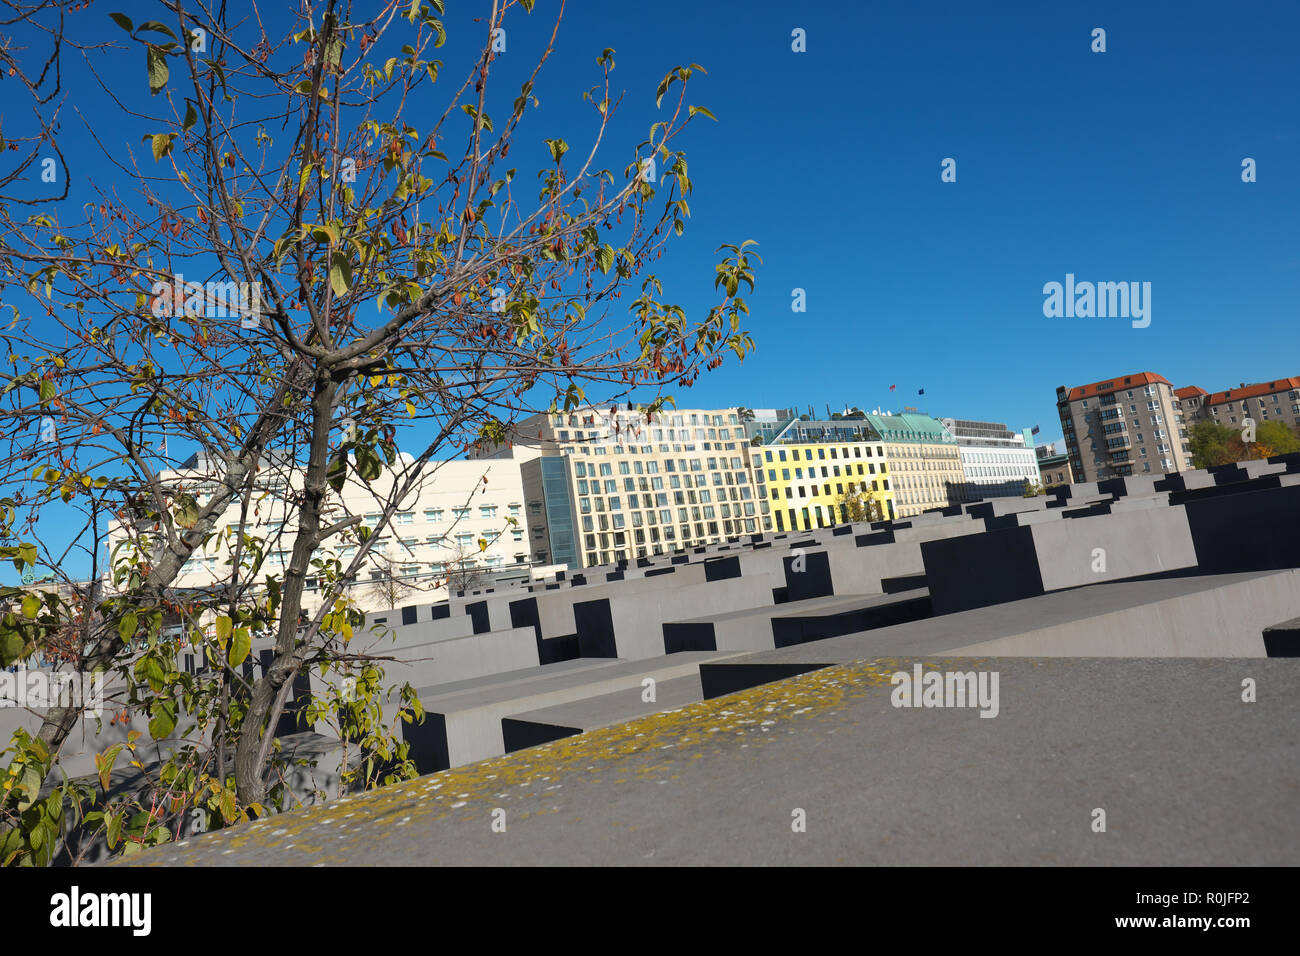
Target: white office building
{"type": "Point", "coordinates": [455, 531]}
{"type": "Point", "coordinates": [995, 461]}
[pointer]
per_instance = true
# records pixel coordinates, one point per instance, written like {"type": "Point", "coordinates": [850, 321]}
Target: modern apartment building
{"type": "Point", "coordinates": [1127, 425]}
{"type": "Point", "coordinates": [453, 532]}
{"type": "Point", "coordinates": [1278, 400]}
{"type": "Point", "coordinates": [1192, 399]}
{"type": "Point", "coordinates": [996, 462]}
{"type": "Point", "coordinates": [610, 484]}
{"type": "Point", "coordinates": [1122, 426]}
{"type": "Point", "coordinates": [924, 461]}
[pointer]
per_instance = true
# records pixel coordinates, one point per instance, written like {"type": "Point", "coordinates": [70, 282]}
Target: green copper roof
{"type": "Point", "coordinates": [910, 427]}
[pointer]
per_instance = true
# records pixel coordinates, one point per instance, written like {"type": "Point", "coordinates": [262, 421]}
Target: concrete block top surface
{"type": "Point", "coordinates": [619, 707]}
{"type": "Point", "coordinates": [810, 607]}
{"type": "Point", "coordinates": [942, 634]}
{"type": "Point", "coordinates": [523, 675]}
{"type": "Point", "coordinates": [714, 782]}
{"type": "Point", "coordinates": [441, 699]}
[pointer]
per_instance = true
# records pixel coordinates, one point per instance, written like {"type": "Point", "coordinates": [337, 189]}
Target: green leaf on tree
{"type": "Point", "coordinates": [156, 64]}
{"type": "Point", "coordinates": [340, 273]}
{"type": "Point", "coordinates": [240, 647]}
{"type": "Point", "coordinates": [605, 257]}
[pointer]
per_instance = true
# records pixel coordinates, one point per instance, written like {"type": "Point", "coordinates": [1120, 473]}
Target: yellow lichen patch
{"type": "Point", "coordinates": [643, 751]}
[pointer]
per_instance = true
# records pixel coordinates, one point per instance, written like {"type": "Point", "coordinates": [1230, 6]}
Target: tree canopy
{"type": "Point", "coordinates": [307, 277]}
{"type": "Point", "coordinates": [1216, 444]}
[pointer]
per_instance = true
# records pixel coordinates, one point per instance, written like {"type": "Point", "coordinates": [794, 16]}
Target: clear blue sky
{"type": "Point", "coordinates": [1115, 166]}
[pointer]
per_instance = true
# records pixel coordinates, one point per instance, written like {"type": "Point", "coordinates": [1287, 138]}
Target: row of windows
{"type": "Point", "coordinates": [696, 512]}
{"type": "Point", "coordinates": [802, 491]}
{"type": "Point", "coordinates": [926, 465]}
{"type": "Point", "coordinates": [1263, 412]}
{"type": "Point", "coordinates": [611, 486]}
{"type": "Point", "coordinates": [833, 473]}
{"type": "Point", "coordinates": [607, 548]}
{"type": "Point", "coordinates": [649, 449]}
{"type": "Point", "coordinates": [655, 434]}
{"type": "Point", "coordinates": [986, 471]}
{"type": "Point", "coordinates": [683, 465]}
{"type": "Point", "coordinates": [703, 496]}
{"type": "Point", "coordinates": [636, 419]}
{"type": "Point", "coordinates": [1148, 391]}
{"type": "Point", "coordinates": [371, 519]}
{"type": "Point", "coordinates": [821, 453]}
{"type": "Point", "coordinates": [812, 517]}
{"type": "Point", "coordinates": [997, 457]}
{"type": "Point", "coordinates": [928, 452]}
{"type": "Point", "coordinates": [607, 522]}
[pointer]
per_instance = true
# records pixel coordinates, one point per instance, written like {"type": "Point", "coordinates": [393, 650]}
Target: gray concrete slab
{"type": "Point", "coordinates": [1162, 746]}
{"type": "Point", "coordinates": [631, 625]}
{"type": "Point", "coordinates": [464, 724]}
{"type": "Point", "coordinates": [1016, 563]}
{"type": "Point", "coordinates": [1204, 616]}
{"type": "Point", "coordinates": [535, 727]}
{"type": "Point", "coordinates": [795, 622]}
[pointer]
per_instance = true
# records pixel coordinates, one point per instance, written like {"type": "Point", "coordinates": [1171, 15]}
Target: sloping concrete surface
{"type": "Point", "coordinates": [1187, 773]}
{"type": "Point", "coordinates": [1206, 616]}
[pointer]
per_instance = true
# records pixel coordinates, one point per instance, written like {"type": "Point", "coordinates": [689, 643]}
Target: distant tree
{"type": "Point", "coordinates": [1033, 489]}
{"type": "Point", "coordinates": [389, 585]}
{"type": "Point", "coordinates": [1275, 438]}
{"type": "Point", "coordinates": [1215, 444]}
{"type": "Point", "coordinates": [860, 503]}
{"type": "Point", "coordinates": [756, 440]}
{"type": "Point", "coordinates": [1210, 443]}
{"type": "Point", "coordinates": [745, 414]}
{"type": "Point", "coordinates": [836, 416]}
{"type": "Point", "coordinates": [463, 571]}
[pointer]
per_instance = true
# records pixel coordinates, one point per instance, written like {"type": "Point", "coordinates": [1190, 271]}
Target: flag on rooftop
{"type": "Point", "coordinates": [920, 391]}
{"type": "Point", "coordinates": [1034, 431]}
{"type": "Point", "coordinates": [892, 387]}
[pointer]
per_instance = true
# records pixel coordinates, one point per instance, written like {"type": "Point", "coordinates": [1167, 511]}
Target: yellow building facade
{"type": "Point", "coordinates": [804, 484]}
